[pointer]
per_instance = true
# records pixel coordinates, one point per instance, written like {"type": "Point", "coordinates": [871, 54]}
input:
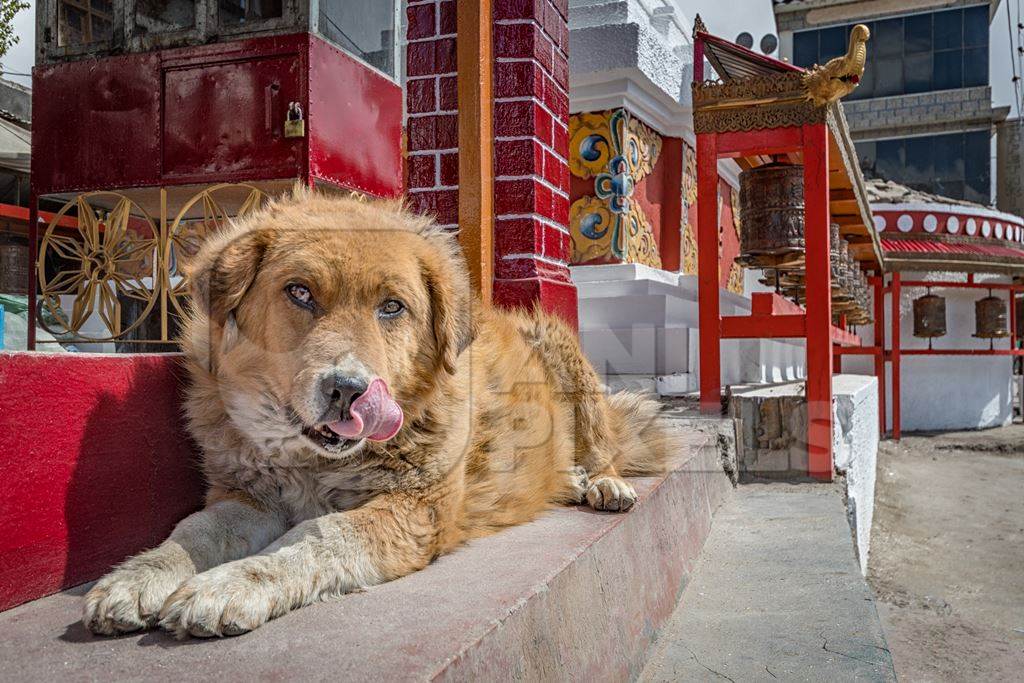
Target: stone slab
{"type": "Point", "coordinates": [574, 594]}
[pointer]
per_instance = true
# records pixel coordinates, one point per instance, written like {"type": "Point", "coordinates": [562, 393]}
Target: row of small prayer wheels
{"type": "Point", "coordinates": [989, 317]}
{"type": "Point", "coordinates": [772, 212]}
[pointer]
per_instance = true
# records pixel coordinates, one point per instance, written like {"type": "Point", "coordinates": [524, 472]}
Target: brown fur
{"type": "Point", "coordinates": [503, 413]}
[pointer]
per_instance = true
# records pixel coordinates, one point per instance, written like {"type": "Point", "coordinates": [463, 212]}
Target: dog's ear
{"type": "Point", "coordinates": [222, 273]}
{"type": "Point", "coordinates": [447, 281]}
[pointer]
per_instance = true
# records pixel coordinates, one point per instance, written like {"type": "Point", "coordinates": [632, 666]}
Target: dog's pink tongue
{"type": "Point", "coordinates": [375, 415]}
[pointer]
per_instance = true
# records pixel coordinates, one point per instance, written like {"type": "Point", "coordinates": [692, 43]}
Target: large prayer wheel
{"type": "Point", "coordinates": [772, 209]}
{"type": "Point", "coordinates": [990, 318]}
{"type": "Point", "coordinates": [929, 316]}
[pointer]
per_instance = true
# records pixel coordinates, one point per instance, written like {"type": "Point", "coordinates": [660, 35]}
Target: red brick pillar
{"type": "Point", "coordinates": [432, 123]}
{"type": "Point", "coordinates": [531, 117]}
{"type": "Point", "coordinates": [531, 186]}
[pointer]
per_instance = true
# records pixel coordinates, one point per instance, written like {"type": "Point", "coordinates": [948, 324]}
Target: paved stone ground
{"type": "Point", "coordinates": [947, 554]}
{"type": "Point", "coordinates": [778, 594]}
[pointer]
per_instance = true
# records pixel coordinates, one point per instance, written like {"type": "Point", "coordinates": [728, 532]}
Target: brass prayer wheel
{"type": "Point", "coordinates": [772, 209]}
{"type": "Point", "coordinates": [929, 316]}
{"type": "Point", "coordinates": [990, 318]}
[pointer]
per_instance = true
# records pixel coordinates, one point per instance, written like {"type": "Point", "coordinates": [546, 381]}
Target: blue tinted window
{"type": "Point", "coordinates": [889, 159]}
{"type": "Point", "coordinates": [910, 54]}
{"type": "Point", "coordinates": [948, 71]}
{"type": "Point", "coordinates": [888, 76]}
{"type": "Point", "coordinates": [949, 159]}
{"type": "Point", "coordinates": [887, 39]}
{"type": "Point", "coordinates": [917, 33]}
{"type": "Point", "coordinates": [831, 43]}
{"type": "Point", "coordinates": [919, 171]}
{"type": "Point", "coordinates": [954, 165]}
{"type": "Point", "coordinates": [948, 29]}
{"type": "Point", "coordinates": [805, 48]}
{"type": "Point", "coordinates": [917, 72]}
{"type": "Point", "coordinates": [977, 167]}
{"type": "Point", "coordinates": [866, 157]}
{"type": "Point", "coordinates": [975, 66]}
{"type": "Point", "coordinates": [976, 26]}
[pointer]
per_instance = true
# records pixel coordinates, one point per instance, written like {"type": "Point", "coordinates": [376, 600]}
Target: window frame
{"type": "Point", "coordinates": [398, 48]}
{"type": "Point", "coordinates": [176, 38]}
{"type": "Point", "coordinates": [900, 146]}
{"type": "Point", "coordinates": [291, 17]}
{"type": "Point", "coordinates": [52, 50]}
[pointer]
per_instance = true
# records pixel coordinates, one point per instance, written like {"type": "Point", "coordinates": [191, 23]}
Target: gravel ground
{"type": "Point", "coordinates": [947, 554]}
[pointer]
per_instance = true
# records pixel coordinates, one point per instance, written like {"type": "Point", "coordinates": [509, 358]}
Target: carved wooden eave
{"type": "Point", "coordinates": [760, 93]}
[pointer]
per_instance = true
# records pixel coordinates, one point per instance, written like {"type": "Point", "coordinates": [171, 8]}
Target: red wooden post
{"type": "Point", "coordinates": [819, 303]}
{"type": "Point", "coordinates": [1013, 319]}
{"type": "Point", "coordinates": [707, 274]}
{"type": "Point", "coordinates": [895, 312]}
{"type": "Point", "coordinates": [33, 275]}
{"type": "Point", "coordinates": [879, 291]}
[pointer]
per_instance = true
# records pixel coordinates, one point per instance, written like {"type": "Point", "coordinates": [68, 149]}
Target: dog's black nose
{"type": "Point", "coordinates": [341, 392]}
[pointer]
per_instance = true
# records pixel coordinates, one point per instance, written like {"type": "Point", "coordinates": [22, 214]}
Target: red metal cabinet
{"type": "Point", "coordinates": [227, 120]}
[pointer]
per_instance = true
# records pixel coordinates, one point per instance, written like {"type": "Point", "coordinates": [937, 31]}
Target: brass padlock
{"type": "Point", "coordinates": [294, 124]}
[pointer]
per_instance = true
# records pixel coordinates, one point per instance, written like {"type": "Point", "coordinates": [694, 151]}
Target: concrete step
{"type": "Point", "coordinates": [575, 594]}
{"type": "Point", "coordinates": [778, 594]}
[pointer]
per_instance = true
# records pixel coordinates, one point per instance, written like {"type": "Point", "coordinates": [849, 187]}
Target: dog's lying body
{"type": "Point", "coordinates": [319, 305]}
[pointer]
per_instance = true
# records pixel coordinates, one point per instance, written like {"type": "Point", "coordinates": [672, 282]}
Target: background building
{"type": "Point", "coordinates": [923, 121]}
{"type": "Point", "coordinates": [922, 115]}
{"type": "Point", "coordinates": [1009, 166]}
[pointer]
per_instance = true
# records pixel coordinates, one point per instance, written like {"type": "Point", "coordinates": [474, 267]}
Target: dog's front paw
{"type": "Point", "coordinates": [129, 598]}
{"type": "Point", "coordinates": [225, 601]}
{"type": "Point", "coordinates": [613, 494]}
{"type": "Point", "coordinates": [578, 485]}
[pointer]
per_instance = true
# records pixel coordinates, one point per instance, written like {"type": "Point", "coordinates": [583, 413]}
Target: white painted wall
{"type": "Point", "coordinates": [641, 323]}
{"type": "Point", "coordinates": [946, 392]}
{"type": "Point", "coordinates": [855, 452]}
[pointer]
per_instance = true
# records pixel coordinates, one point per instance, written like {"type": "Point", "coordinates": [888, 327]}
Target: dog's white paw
{"type": "Point", "coordinates": [579, 482]}
{"type": "Point", "coordinates": [130, 597]}
{"type": "Point", "coordinates": [613, 494]}
{"type": "Point", "coordinates": [225, 601]}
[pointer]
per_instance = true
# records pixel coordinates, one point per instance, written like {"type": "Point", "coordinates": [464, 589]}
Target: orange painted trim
{"type": "Point", "coordinates": [21, 213]}
{"type": "Point", "coordinates": [476, 142]}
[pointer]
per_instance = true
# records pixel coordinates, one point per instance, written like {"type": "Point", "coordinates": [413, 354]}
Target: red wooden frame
{"type": "Point", "coordinates": [771, 316]}
{"type": "Point", "coordinates": [895, 352]}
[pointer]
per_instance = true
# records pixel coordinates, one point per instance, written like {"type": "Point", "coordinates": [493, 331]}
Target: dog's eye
{"type": "Point", "coordinates": [390, 308]}
{"type": "Point", "coordinates": [300, 294]}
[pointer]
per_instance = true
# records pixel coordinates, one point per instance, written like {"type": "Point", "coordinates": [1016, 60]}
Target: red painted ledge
{"type": "Point", "coordinates": [95, 464]}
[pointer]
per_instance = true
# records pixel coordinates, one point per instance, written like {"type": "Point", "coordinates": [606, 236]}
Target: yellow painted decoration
{"type": "Point", "coordinates": [119, 253]}
{"type": "Point", "coordinates": [617, 151]}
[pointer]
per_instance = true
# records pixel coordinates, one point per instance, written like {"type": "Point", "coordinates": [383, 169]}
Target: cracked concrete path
{"type": "Point", "coordinates": [777, 595]}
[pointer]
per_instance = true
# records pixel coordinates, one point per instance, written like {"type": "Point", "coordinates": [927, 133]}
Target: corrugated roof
{"type": "Point", "coordinates": [897, 246]}
{"type": "Point", "coordinates": [732, 61]}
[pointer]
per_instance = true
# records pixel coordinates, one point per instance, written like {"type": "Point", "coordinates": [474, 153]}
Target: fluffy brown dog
{"type": "Point", "coordinates": [358, 419]}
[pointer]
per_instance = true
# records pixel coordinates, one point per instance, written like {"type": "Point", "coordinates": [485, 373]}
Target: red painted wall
{"type": "Point", "coordinates": [531, 150]}
{"type": "Point", "coordinates": [354, 123]}
{"type": "Point", "coordinates": [432, 102]}
{"type": "Point", "coordinates": [94, 465]}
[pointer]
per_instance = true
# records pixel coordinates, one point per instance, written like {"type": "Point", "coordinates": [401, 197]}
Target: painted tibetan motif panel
{"type": "Point", "coordinates": [729, 226]}
{"type": "Point", "coordinates": [618, 152]}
